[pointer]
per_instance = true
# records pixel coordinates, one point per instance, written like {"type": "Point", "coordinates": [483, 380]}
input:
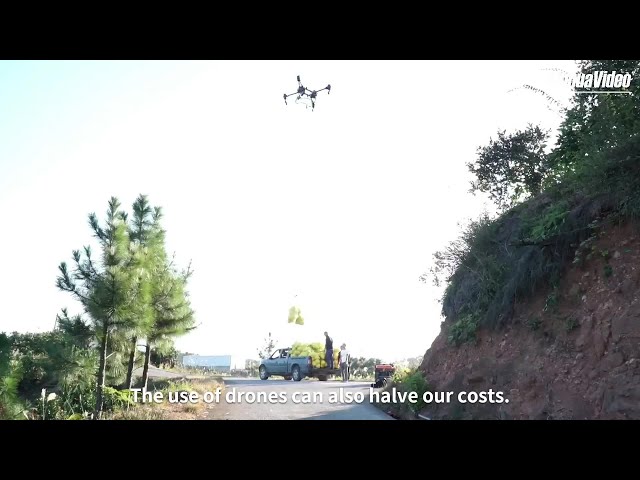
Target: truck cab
{"type": "Point", "coordinates": [281, 363]}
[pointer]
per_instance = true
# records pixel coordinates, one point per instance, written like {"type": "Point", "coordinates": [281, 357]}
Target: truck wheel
{"type": "Point", "coordinates": [263, 373]}
{"type": "Point", "coordinates": [322, 378]}
{"type": "Point", "coordinates": [296, 373]}
{"type": "Point", "coordinates": [287, 378]}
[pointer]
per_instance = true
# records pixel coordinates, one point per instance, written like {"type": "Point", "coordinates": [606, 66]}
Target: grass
{"type": "Point", "coordinates": [167, 410]}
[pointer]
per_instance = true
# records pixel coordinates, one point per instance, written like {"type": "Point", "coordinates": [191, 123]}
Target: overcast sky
{"type": "Point", "coordinates": [342, 206]}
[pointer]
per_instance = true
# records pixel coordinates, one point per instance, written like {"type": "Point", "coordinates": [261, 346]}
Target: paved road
{"type": "Point", "coordinates": [317, 401]}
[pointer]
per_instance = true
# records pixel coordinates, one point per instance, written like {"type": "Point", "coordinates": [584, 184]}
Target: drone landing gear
{"type": "Point", "coordinates": [306, 103]}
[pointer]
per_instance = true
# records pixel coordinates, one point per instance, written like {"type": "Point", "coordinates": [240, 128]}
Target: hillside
{"type": "Point", "coordinates": [541, 302]}
{"type": "Point", "coordinates": [579, 358]}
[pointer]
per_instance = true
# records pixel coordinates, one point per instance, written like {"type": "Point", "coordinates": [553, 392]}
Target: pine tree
{"type": "Point", "coordinates": [171, 312]}
{"type": "Point", "coordinates": [107, 289]}
{"type": "Point", "coordinates": [140, 233]}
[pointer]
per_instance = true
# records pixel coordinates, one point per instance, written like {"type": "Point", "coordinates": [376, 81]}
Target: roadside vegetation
{"type": "Point", "coordinates": [134, 302]}
{"type": "Point", "coordinates": [405, 380]}
{"type": "Point", "coordinates": [127, 409]}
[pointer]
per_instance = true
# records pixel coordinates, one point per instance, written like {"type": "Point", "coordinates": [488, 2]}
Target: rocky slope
{"type": "Point", "coordinates": [570, 353]}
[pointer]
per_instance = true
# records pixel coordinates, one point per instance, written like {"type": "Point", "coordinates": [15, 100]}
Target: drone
{"type": "Point", "coordinates": [302, 91]}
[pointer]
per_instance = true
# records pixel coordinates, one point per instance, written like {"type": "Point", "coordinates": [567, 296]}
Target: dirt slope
{"type": "Point", "coordinates": [578, 358]}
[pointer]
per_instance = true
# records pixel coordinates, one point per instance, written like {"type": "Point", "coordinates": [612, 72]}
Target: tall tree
{"type": "Point", "coordinates": [511, 167]}
{"type": "Point", "coordinates": [140, 233]}
{"type": "Point", "coordinates": [171, 313]}
{"type": "Point", "coordinates": [598, 121]}
{"type": "Point", "coordinates": [107, 288]}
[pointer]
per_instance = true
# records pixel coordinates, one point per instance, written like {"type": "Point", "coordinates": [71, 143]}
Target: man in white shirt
{"type": "Point", "coordinates": [345, 360]}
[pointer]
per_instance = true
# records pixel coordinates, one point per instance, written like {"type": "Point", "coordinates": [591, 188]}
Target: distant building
{"type": "Point", "coordinates": [219, 363]}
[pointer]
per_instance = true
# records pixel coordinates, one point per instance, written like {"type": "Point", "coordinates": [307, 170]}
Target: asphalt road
{"type": "Point", "coordinates": [248, 399]}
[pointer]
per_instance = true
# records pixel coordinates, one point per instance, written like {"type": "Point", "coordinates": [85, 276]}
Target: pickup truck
{"type": "Point", "coordinates": [282, 364]}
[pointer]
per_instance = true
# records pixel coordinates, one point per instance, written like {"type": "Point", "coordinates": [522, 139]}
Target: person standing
{"type": "Point", "coordinates": [345, 358]}
{"type": "Point", "coordinates": [328, 350]}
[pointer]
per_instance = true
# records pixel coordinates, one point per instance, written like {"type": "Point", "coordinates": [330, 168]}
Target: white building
{"type": "Point", "coordinates": [219, 363]}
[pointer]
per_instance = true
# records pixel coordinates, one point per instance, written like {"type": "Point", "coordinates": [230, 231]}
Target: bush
{"type": "Point", "coordinates": [11, 406]}
{"type": "Point", "coordinates": [463, 331]}
{"type": "Point", "coordinates": [411, 380]}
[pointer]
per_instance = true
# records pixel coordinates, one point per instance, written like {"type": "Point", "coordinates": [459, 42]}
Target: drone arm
{"type": "Point", "coordinates": [287, 95]}
{"type": "Point", "coordinates": [328, 87]}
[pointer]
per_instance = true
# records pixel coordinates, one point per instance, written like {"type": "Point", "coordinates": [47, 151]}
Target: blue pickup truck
{"type": "Point", "coordinates": [282, 364]}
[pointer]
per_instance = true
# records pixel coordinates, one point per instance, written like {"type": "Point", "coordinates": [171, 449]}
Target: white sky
{"type": "Point", "coordinates": [343, 206]}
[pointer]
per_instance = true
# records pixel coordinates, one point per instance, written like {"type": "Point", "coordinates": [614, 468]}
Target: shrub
{"type": "Point", "coordinates": [412, 380]}
{"type": "Point", "coordinates": [463, 330]}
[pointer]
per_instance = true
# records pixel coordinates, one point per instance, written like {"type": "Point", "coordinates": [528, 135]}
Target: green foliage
{"type": "Point", "coordinates": [400, 375]}
{"type": "Point", "coordinates": [108, 288]}
{"type": "Point", "coordinates": [547, 225]}
{"type": "Point", "coordinates": [132, 290]}
{"type": "Point", "coordinates": [118, 399]}
{"type": "Point", "coordinates": [412, 380]}
{"type": "Point", "coordinates": [511, 167]}
{"type": "Point", "coordinates": [6, 346]}
{"type": "Point", "coordinates": [460, 256]}
{"type": "Point", "coordinates": [63, 362]}
{"type": "Point", "coordinates": [170, 310]}
{"type": "Point", "coordinates": [11, 406]}
{"type": "Point", "coordinates": [608, 270]}
{"type": "Point", "coordinates": [164, 355]}
{"type": "Point", "coordinates": [596, 123]}
{"type": "Point", "coordinates": [463, 330]}
{"type": "Point", "coordinates": [141, 230]}
{"type": "Point", "coordinates": [495, 262]}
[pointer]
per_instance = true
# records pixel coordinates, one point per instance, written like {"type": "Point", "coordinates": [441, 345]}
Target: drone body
{"type": "Point", "coordinates": [304, 91]}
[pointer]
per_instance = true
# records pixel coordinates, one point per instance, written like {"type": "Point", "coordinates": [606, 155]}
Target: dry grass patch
{"type": "Point", "coordinates": [172, 411]}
